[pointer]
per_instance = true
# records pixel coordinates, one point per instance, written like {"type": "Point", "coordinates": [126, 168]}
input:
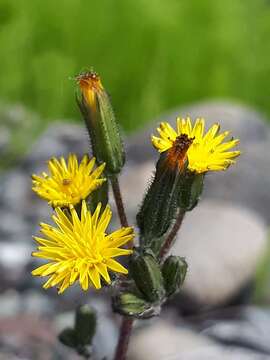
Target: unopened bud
{"type": "Point", "coordinates": [68, 338]}
{"type": "Point", "coordinates": [145, 271]}
{"type": "Point", "coordinates": [98, 114]}
{"type": "Point", "coordinates": [85, 325]}
{"type": "Point", "coordinates": [129, 304]}
{"type": "Point", "coordinates": [159, 206]}
{"type": "Point", "coordinates": [174, 272]}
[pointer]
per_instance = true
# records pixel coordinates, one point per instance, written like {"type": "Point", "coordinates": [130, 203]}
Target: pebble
{"type": "Point", "coordinates": [223, 245]}
{"type": "Point", "coordinates": [164, 341]}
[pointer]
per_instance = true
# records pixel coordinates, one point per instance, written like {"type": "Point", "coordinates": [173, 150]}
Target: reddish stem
{"type": "Point", "coordinates": [124, 336]}
{"type": "Point", "coordinates": [172, 234]}
{"type": "Point", "coordinates": [126, 326]}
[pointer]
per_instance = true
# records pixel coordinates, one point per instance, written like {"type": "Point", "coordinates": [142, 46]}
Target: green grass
{"type": "Point", "coordinates": [151, 54]}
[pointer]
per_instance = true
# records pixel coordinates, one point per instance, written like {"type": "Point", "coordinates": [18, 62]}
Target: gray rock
{"type": "Point", "coordinates": [251, 330]}
{"type": "Point", "coordinates": [35, 303]}
{"type": "Point", "coordinates": [12, 226]}
{"type": "Point", "coordinates": [223, 245]}
{"type": "Point", "coordinates": [10, 304]}
{"type": "Point", "coordinates": [162, 340]}
{"type": "Point", "coordinates": [58, 140]}
{"type": "Point", "coordinates": [247, 183]}
{"type": "Point", "coordinates": [20, 204]}
{"type": "Point", "coordinates": [8, 356]}
{"type": "Point", "coordinates": [30, 302]}
{"type": "Point", "coordinates": [14, 256]}
{"type": "Point", "coordinates": [15, 188]}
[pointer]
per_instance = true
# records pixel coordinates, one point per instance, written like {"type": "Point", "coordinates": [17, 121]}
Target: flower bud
{"type": "Point", "coordinates": [68, 337]}
{"type": "Point", "coordinates": [85, 325]}
{"type": "Point", "coordinates": [190, 189]}
{"type": "Point", "coordinates": [174, 272]}
{"type": "Point", "coordinates": [80, 337]}
{"type": "Point", "coordinates": [159, 206]}
{"type": "Point", "coordinates": [129, 304]}
{"type": "Point", "coordinates": [145, 271]}
{"type": "Point", "coordinates": [98, 114]}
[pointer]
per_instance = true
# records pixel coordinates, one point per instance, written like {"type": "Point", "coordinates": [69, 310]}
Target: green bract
{"type": "Point", "coordinates": [145, 271]}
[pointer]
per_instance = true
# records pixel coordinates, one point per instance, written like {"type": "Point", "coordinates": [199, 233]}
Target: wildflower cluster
{"type": "Point", "coordinates": [78, 248]}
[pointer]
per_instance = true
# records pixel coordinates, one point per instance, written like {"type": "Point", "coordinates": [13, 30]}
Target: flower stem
{"type": "Point", "coordinates": [171, 236]}
{"type": "Point", "coordinates": [126, 326]}
{"type": "Point", "coordinates": [124, 336]}
{"type": "Point", "coordinates": [119, 202]}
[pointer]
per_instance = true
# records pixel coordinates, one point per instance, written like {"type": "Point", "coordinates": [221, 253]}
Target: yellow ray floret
{"type": "Point", "coordinates": [79, 249]}
{"type": "Point", "coordinates": [68, 183]}
{"type": "Point", "coordinates": [207, 152]}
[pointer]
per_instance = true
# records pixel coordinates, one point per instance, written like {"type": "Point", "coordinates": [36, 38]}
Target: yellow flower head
{"type": "Point", "coordinates": [205, 152]}
{"type": "Point", "coordinates": [68, 183]}
{"type": "Point", "coordinates": [90, 84]}
{"type": "Point", "coordinates": [79, 249]}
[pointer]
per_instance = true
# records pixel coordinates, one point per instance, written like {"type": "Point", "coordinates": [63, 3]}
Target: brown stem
{"type": "Point", "coordinates": [126, 326]}
{"type": "Point", "coordinates": [119, 202]}
{"type": "Point", "coordinates": [124, 336]}
{"type": "Point", "coordinates": [170, 238]}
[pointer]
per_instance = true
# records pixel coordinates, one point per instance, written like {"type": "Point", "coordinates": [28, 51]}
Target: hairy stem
{"type": "Point", "coordinates": [126, 326]}
{"type": "Point", "coordinates": [171, 236]}
{"type": "Point", "coordinates": [118, 201]}
{"type": "Point", "coordinates": [124, 336]}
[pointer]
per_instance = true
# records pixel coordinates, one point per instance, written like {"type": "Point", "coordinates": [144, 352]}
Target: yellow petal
{"type": "Point", "coordinates": [115, 266]}
{"type": "Point", "coordinates": [94, 277]}
{"type": "Point", "coordinates": [102, 268]}
{"type": "Point", "coordinates": [116, 252]}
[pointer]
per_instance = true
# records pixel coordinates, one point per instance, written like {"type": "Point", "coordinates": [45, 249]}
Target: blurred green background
{"type": "Point", "coordinates": [152, 54]}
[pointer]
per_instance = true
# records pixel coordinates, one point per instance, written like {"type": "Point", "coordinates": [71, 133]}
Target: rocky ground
{"type": "Point", "coordinates": [224, 240]}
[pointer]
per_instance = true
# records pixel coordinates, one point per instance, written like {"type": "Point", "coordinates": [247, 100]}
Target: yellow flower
{"type": "Point", "coordinates": [206, 152]}
{"type": "Point", "coordinates": [79, 249]}
{"type": "Point", "coordinates": [90, 84]}
{"type": "Point", "coordinates": [68, 183]}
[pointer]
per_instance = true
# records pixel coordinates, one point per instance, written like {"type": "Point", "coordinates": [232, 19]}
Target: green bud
{"type": "Point", "coordinates": [145, 271]}
{"type": "Point", "coordinates": [174, 272]}
{"type": "Point", "coordinates": [98, 114]}
{"type": "Point", "coordinates": [80, 338]}
{"type": "Point", "coordinates": [190, 189]}
{"type": "Point", "coordinates": [85, 325]}
{"type": "Point", "coordinates": [68, 337]}
{"type": "Point", "coordinates": [159, 206]}
{"type": "Point", "coordinates": [129, 304]}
